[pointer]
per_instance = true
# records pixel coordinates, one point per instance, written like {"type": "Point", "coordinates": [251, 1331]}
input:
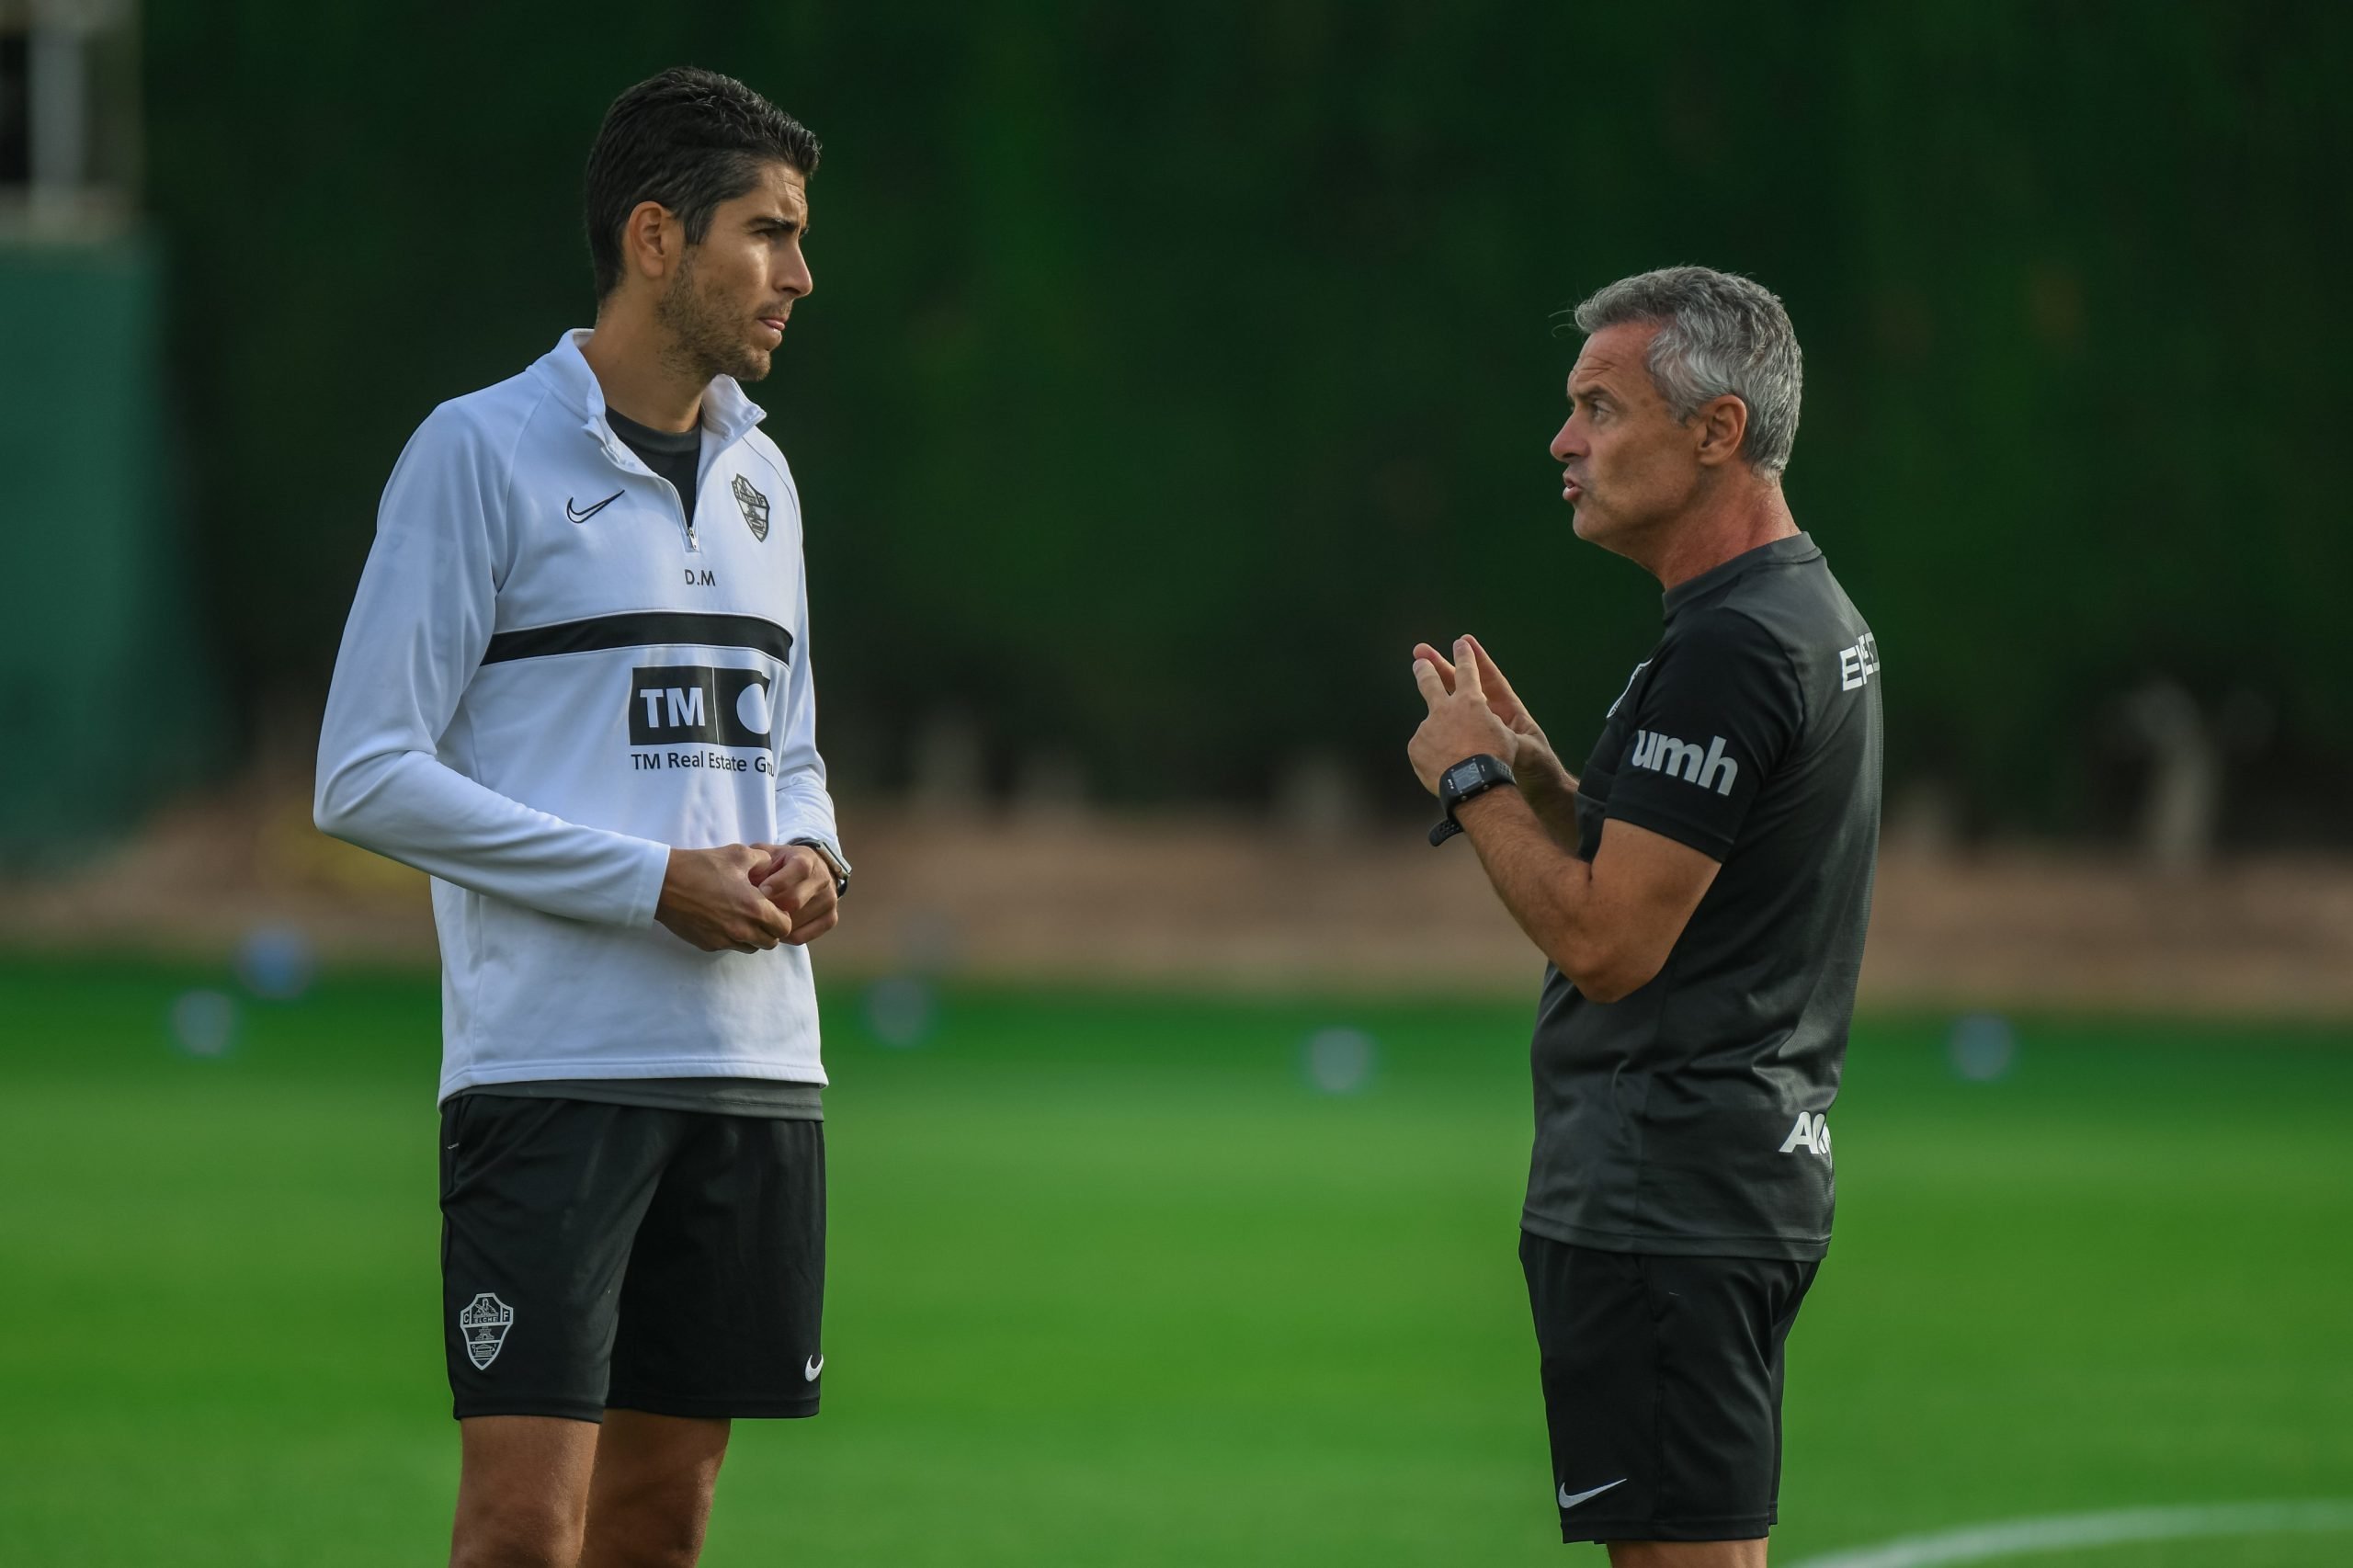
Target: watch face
{"type": "Point", "coordinates": [1463, 774]}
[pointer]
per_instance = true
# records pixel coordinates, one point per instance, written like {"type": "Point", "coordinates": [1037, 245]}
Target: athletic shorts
{"type": "Point", "coordinates": [606, 1256]}
{"type": "Point", "coordinates": [1661, 1388]}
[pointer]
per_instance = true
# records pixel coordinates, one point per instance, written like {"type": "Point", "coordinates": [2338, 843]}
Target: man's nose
{"type": "Point", "coordinates": [1565, 445]}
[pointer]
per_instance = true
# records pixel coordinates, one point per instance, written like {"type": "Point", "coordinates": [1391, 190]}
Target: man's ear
{"type": "Point", "coordinates": [652, 240]}
{"type": "Point", "coordinates": [1722, 423]}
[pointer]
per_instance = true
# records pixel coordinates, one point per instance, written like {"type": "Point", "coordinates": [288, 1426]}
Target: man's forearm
{"type": "Point", "coordinates": [1550, 791]}
{"type": "Point", "coordinates": [1542, 885]}
{"type": "Point", "coordinates": [412, 808]}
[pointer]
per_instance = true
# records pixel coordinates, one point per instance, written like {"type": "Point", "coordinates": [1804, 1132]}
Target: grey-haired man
{"type": "Point", "coordinates": [1700, 890]}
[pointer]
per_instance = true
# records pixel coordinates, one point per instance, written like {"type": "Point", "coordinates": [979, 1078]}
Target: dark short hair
{"type": "Point", "coordinates": [689, 138]}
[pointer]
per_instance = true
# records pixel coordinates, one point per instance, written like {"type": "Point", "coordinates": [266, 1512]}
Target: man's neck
{"type": "Point", "coordinates": [639, 374]}
{"type": "Point", "coordinates": [1751, 515]}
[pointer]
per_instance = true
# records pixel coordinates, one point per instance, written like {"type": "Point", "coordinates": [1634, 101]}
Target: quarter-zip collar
{"type": "Point", "coordinates": [727, 414]}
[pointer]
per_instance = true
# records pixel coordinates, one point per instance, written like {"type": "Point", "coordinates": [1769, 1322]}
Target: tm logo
{"type": "Point", "coordinates": [669, 704]}
{"type": "Point", "coordinates": [1664, 753]}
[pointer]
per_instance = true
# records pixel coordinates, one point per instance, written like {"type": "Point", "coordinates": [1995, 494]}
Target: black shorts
{"type": "Point", "coordinates": [599, 1256]}
{"type": "Point", "coordinates": [1661, 1388]}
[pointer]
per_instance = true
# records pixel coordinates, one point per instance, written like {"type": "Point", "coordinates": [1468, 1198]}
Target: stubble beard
{"type": "Point", "coordinates": [1590, 519]}
{"type": "Point", "coordinates": [705, 338]}
{"type": "Point", "coordinates": [1597, 522]}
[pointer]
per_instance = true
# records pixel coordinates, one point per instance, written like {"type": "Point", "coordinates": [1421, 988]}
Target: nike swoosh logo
{"type": "Point", "coordinates": [577, 515]}
{"type": "Point", "coordinates": [816, 1365]}
{"type": "Point", "coordinates": [1570, 1499]}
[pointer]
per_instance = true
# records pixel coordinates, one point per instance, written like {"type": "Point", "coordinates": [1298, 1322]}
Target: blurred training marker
{"type": "Point", "coordinates": [203, 1022]}
{"type": "Point", "coordinates": [1339, 1061]}
{"type": "Point", "coordinates": [276, 961]}
{"type": "Point", "coordinates": [900, 1011]}
{"type": "Point", "coordinates": [1983, 1046]}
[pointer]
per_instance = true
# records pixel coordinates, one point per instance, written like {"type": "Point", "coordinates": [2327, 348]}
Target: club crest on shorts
{"type": "Point", "coordinates": [484, 1323]}
{"type": "Point", "coordinates": [755, 508]}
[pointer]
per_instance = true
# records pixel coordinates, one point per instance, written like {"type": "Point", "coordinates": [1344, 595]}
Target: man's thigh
{"type": "Point", "coordinates": [540, 1203]}
{"type": "Point", "coordinates": [523, 1489]}
{"type": "Point", "coordinates": [534, 1489]}
{"type": "Point", "coordinates": [1662, 1380]}
{"type": "Point", "coordinates": [722, 1305]}
{"type": "Point", "coordinates": [650, 1499]}
{"type": "Point", "coordinates": [1687, 1553]}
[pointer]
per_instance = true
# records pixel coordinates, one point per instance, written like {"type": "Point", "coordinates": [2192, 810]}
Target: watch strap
{"type": "Point", "coordinates": [1472, 776]}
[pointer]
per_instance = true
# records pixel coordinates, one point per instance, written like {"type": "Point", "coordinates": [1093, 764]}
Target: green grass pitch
{"type": "Point", "coordinates": [1111, 1282]}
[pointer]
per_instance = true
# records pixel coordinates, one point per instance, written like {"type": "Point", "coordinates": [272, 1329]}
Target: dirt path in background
{"type": "Point", "coordinates": [1236, 905]}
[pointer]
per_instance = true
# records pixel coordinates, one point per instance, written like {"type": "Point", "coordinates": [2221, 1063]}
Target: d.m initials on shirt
{"type": "Point", "coordinates": [1681, 760]}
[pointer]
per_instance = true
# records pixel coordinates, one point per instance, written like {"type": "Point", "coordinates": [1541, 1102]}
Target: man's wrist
{"type": "Point", "coordinates": [1464, 783]}
{"type": "Point", "coordinates": [1539, 774]}
{"type": "Point", "coordinates": [661, 868]}
{"type": "Point", "coordinates": [834, 863]}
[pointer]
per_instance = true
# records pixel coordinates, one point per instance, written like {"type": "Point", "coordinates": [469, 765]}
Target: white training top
{"type": "Point", "coordinates": [548, 680]}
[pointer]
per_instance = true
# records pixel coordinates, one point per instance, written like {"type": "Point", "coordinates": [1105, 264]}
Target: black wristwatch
{"type": "Point", "coordinates": [834, 863]}
{"type": "Point", "coordinates": [1471, 776]}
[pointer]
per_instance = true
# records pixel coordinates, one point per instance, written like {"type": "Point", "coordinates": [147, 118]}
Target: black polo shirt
{"type": "Point", "coordinates": [1688, 1117]}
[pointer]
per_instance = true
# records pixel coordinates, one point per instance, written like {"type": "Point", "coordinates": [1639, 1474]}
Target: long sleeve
{"type": "Point", "coordinates": [423, 616]}
{"type": "Point", "coordinates": [803, 807]}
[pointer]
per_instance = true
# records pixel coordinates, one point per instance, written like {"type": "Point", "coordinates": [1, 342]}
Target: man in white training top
{"type": "Point", "coordinates": [575, 688]}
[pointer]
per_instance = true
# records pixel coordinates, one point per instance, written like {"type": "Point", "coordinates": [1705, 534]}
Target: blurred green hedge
{"type": "Point", "coordinates": [1168, 373]}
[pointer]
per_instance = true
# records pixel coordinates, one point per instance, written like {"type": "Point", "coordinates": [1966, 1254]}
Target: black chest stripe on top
{"type": "Point", "coordinates": [642, 628]}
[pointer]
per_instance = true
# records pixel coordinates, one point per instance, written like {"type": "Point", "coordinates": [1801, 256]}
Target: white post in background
{"type": "Point", "coordinates": [57, 80]}
{"type": "Point", "coordinates": [73, 177]}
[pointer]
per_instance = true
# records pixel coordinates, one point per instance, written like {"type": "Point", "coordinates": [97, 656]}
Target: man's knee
{"type": "Point", "coordinates": [515, 1536]}
{"type": "Point", "coordinates": [647, 1528]}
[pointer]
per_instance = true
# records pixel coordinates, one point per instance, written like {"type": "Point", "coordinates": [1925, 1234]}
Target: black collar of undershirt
{"type": "Point", "coordinates": [646, 438]}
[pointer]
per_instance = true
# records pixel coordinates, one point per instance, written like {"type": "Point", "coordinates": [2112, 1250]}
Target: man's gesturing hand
{"type": "Point", "coordinates": [711, 899]}
{"type": "Point", "coordinates": [1461, 723]}
{"type": "Point", "coordinates": [1533, 757]}
{"type": "Point", "coordinates": [796, 879]}
{"type": "Point", "coordinates": [1499, 694]}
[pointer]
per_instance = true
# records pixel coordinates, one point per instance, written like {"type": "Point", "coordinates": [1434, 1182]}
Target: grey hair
{"type": "Point", "coordinates": [1721, 335]}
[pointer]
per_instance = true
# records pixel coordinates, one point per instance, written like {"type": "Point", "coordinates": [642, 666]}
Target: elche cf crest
{"type": "Point", "coordinates": [755, 508]}
{"type": "Point", "coordinates": [484, 1323]}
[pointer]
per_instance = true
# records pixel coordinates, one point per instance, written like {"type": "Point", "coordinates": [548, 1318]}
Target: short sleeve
{"type": "Point", "coordinates": [1719, 712]}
